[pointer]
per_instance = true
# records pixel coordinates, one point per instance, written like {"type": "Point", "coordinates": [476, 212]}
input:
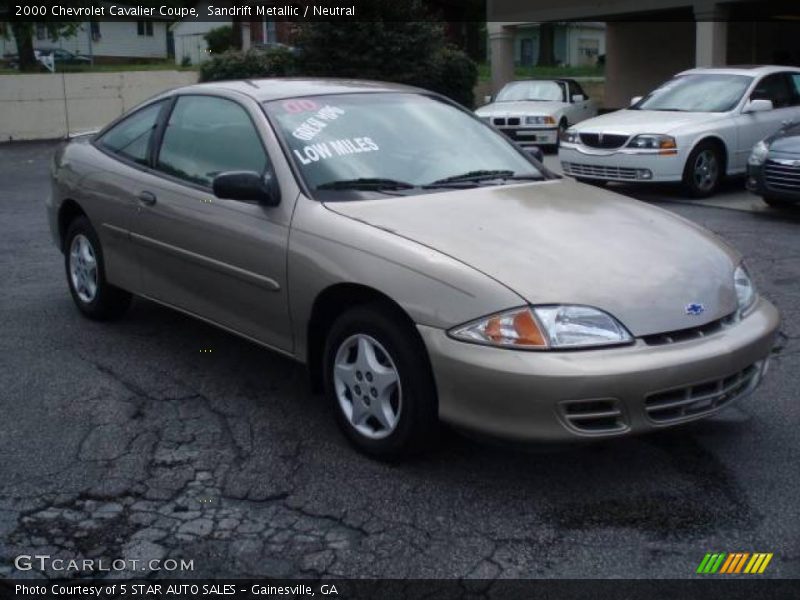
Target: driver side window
{"type": "Point", "coordinates": [775, 88]}
{"type": "Point", "coordinates": [206, 136]}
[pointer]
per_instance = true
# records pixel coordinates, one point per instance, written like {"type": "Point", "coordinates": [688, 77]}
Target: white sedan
{"type": "Point", "coordinates": [696, 128]}
{"type": "Point", "coordinates": [535, 112]}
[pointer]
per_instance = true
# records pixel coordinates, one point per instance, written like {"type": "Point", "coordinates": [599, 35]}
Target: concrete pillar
{"type": "Point", "coordinates": [501, 48]}
{"type": "Point", "coordinates": [711, 35]}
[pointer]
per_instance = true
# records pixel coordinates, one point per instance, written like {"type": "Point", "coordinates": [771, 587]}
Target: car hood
{"type": "Point", "coordinates": [522, 107]}
{"type": "Point", "coordinates": [562, 242]}
{"type": "Point", "coordinates": [787, 141]}
{"type": "Point", "coordinates": [631, 122]}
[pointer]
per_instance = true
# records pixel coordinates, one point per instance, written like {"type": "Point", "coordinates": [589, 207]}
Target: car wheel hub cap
{"type": "Point", "coordinates": [705, 170]}
{"type": "Point", "coordinates": [367, 386]}
{"type": "Point", "coordinates": [83, 268]}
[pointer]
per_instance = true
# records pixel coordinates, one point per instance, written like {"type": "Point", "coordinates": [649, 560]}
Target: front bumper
{"type": "Point", "coordinates": [531, 136]}
{"type": "Point", "coordinates": [619, 165]}
{"type": "Point", "coordinates": [572, 395]}
{"type": "Point", "coordinates": [774, 180]}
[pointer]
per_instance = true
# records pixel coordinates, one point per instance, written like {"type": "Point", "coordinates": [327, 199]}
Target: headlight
{"type": "Point", "coordinates": [745, 290]}
{"type": "Point", "coordinates": [570, 136]}
{"type": "Point", "coordinates": [542, 327]}
{"type": "Point", "coordinates": [758, 154]}
{"type": "Point", "coordinates": [652, 141]}
{"type": "Point", "coordinates": [546, 120]}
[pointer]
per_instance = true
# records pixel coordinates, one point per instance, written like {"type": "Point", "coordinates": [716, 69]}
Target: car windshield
{"type": "Point", "coordinates": [697, 93]}
{"type": "Point", "coordinates": [546, 91]}
{"type": "Point", "coordinates": [354, 146]}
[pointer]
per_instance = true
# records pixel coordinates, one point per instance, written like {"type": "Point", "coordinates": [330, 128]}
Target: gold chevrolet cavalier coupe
{"type": "Point", "coordinates": [423, 266]}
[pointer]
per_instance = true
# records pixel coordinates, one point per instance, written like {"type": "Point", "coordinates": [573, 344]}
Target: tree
{"type": "Point", "coordinates": [384, 45]}
{"type": "Point", "coordinates": [23, 36]}
{"type": "Point", "coordinates": [547, 38]}
{"type": "Point", "coordinates": [219, 39]}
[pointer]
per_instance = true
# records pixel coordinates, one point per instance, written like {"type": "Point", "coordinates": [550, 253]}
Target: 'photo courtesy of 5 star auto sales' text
{"type": "Point", "coordinates": [445, 299]}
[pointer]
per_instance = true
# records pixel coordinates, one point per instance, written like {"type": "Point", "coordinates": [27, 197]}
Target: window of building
{"type": "Point", "coordinates": [144, 28]}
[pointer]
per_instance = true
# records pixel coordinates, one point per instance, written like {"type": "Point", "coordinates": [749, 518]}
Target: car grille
{"type": "Point", "coordinates": [616, 173]}
{"type": "Point", "coordinates": [594, 416]}
{"type": "Point", "coordinates": [608, 141]}
{"type": "Point", "coordinates": [502, 121]}
{"type": "Point", "coordinates": [693, 333]}
{"type": "Point", "coordinates": [701, 398]}
{"type": "Point", "coordinates": [782, 177]}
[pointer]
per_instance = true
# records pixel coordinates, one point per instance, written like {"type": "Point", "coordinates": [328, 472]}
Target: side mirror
{"type": "Point", "coordinates": [535, 152]}
{"type": "Point", "coordinates": [247, 186]}
{"type": "Point", "coordinates": [635, 99]}
{"type": "Point", "coordinates": [759, 105]}
{"type": "Point", "coordinates": [487, 99]}
{"type": "Point", "coordinates": [578, 97]}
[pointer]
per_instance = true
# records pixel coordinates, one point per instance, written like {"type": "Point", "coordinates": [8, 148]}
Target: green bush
{"type": "Point", "coordinates": [453, 74]}
{"type": "Point", "coordinates": [220, 39]}
{"type": "Point", "coordinates": [275, 62]}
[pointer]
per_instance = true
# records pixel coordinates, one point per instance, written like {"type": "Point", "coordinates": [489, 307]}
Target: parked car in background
{"type": "Point", "coordinates": [421, 265]}
{"type": "Point", "coordinates": [13, 59]}
{"type": "Point", "coordinates": [696, 128]}
{"type": "Point", "coordinates": [63, 57]}
{"type": "Point", "coordinates": [535, 112]}
{"type": "Point", "coordinates": [773, 169]}
{"type": "Point", "coordinates": [51, 57]}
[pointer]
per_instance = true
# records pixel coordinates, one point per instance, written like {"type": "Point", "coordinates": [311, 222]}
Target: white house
{"type": "Point", "coordinates": [574, 44]}
{"type": "Point", "coordinates": [188, 35]}
{"type": "Point", "coordinates": [104, 41]}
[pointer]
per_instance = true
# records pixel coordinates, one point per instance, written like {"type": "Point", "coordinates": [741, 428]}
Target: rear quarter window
{"type": "Point", "coordinates": [130, 138]}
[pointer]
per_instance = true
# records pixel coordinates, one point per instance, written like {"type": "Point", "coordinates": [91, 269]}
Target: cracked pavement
{"type": "Point", "coordinates": [126, 440]}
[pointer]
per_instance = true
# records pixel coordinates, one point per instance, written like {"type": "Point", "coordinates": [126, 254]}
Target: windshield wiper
{"type": "Point", "coordinates": [472, 178]}
{"type": "Point", "coordinates": [366, 183]}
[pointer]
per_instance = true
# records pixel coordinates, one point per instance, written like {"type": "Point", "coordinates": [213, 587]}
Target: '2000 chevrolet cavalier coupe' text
{"type": "Point", "coordinates": [422, 265]}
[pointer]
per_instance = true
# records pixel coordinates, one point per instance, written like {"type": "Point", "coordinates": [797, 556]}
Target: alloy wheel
{"type": "Point", "coordinates": [367, 386]}
{"type": "Point", "coordinates": [83, 268]}
{"type": "Point", "coordinates": [706, 170]}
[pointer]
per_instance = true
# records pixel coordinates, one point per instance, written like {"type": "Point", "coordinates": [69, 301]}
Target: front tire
{"type": "Point", "coordinates": [703, 171]}
{"type": "Point", "coordinates": [86, 276]}
{"type": "Point", "coordinates": [379, 383]}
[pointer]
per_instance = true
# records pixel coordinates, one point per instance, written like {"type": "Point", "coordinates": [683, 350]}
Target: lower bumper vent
{"type": "Point", "coordinates": [698, 399]}
{"type": "Point", "coordinates": [594, 416]}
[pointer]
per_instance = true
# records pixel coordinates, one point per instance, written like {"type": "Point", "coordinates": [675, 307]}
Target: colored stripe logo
{"type": "Point", "coordinates": [734, 563]}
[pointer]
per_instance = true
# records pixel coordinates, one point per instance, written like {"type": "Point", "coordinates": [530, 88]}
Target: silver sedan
{"type": "Point", "coordinates": [423, 266]}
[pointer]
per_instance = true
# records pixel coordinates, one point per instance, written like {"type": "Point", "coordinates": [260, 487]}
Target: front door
{"type": "Point", "coordinates": [222, 260]}
{"type": "Point", "coordinates": [754, 127]}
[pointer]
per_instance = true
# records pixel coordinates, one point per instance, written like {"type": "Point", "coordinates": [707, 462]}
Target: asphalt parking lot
{"type": "Point", "coordinates": [128, 440]}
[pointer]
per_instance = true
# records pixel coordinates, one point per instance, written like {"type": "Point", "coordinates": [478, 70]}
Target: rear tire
{"type": "Point", "coordinates": [379, 383]}
{"type": "Point", "coordinates": [86, 275]}
{"type": "Point", "coordinates": [703, 171]}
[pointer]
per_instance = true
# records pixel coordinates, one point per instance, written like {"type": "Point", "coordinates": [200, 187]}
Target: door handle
{"type": "Point", "coordinates": [147, 198]}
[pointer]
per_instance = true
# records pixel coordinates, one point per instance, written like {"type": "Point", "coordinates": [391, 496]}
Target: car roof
{"type": "Point", "coordinates": [264, 90]}
{"type": "Point", "coordinates": [557, 79]}
{"type": "Point", "coordinates": [751, 70]}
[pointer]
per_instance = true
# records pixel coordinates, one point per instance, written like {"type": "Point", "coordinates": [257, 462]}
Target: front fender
{"type": "Point", "coordinates": [436, 290]}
